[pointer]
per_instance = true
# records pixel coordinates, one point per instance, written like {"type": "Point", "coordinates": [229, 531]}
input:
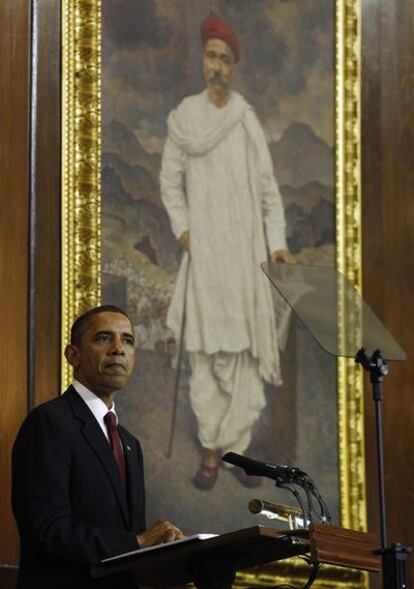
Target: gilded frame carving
{"type": "Point", "coordinates": [81, 96]}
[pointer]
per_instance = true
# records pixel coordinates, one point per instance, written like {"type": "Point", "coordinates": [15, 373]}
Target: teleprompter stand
{"type": "Point", "coordinates": [344, 325]}
{"type": "Point", "coordinates": [212, 563]}
{"type": "Point", "coordinates": [394, 557]}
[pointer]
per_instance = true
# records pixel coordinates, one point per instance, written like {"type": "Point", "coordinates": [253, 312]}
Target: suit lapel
{"type": "Point", "coordinates": [93, 434]}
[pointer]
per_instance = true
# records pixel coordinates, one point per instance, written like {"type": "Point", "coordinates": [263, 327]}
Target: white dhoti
{"type": "Point", "coordinates": [226, 393]}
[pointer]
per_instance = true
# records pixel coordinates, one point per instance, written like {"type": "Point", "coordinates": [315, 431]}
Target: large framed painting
{"type": "Point", "coordinates": [201, 138]}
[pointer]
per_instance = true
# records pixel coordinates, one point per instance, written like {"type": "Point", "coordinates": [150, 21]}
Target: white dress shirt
{"type": "Point", "coordinates": [95, 404]}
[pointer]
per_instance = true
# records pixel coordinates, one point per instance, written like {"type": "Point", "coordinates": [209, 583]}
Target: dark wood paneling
{"type": "Point", "coordinates": [29, 229]}
{"type": "Point", "coordinates": [46, 201]}
{"type": "Point", "coordinates": [388, 243]}
{"type": "Point", "coordinates": [14, 134]}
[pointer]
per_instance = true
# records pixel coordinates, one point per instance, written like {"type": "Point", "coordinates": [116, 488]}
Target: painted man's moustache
{"type": "Point", "coordinates": [219, 79]}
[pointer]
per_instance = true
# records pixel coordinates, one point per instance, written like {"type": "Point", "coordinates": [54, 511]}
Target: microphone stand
{"type": "Point", "coordinates": [310, 489]}
{"type": "Point", "coordinates": [289, 486]}
{"type": "Point", "coordinates": [394, 557]}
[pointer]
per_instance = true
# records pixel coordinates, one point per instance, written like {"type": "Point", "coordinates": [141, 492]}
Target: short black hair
{"type": "Point", "coordinates": [80, 324]}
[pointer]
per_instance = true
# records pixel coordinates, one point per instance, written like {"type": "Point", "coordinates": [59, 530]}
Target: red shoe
{"type": "Point", "coordinates": [205, 477]}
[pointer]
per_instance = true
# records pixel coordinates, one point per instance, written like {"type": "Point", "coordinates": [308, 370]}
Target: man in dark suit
{"type": "Point", "coordinates": [78, 483]}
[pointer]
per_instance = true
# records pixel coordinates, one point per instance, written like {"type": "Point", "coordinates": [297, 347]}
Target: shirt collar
{"type": "Point", "coordinates": [95, 404]}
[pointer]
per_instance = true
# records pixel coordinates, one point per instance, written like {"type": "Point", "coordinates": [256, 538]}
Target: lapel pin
{"type": "Point", "coordinates": [128, 448]}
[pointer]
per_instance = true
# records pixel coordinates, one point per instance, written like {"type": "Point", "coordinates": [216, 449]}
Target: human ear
{"type": "Point", "coordinates": [72, 355]}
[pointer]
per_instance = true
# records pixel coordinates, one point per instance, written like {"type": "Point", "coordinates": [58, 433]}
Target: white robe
{"type": "Point", "coordinates": [217, 181]}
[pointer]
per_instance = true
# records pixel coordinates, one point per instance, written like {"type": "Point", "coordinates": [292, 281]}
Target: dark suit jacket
{"type": "Point", "coordinates": [69, 502]}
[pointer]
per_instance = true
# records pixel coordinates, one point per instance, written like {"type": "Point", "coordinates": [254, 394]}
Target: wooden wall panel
{"type": "Point", "coordinates": [388, 243]}
{"type": "Point", "coordinates": [29, 230]}
{"type": "Point", "coordinates": [14, 135]}
{"type": "Point", "coordinates": [46, 161]}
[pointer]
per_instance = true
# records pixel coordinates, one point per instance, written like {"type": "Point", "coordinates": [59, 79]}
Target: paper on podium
{"type": "Point", "coordinates": [140, 551]}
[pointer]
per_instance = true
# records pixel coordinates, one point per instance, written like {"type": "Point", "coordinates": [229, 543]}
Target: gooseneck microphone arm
{"type": "Point", "coordinates": [285, 477]}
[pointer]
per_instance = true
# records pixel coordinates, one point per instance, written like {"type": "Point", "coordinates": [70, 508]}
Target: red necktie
{"type": "Point", "coordinates": [110, 422]}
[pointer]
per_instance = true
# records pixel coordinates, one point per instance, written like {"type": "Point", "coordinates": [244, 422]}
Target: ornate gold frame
{"type": "Point", "coordinates": [81, 96]}
{"type": "Point", "coordinates": [81, 161]}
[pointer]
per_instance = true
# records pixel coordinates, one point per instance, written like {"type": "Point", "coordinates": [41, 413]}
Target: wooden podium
{"type": "Point", "coordinates": [198, 560]}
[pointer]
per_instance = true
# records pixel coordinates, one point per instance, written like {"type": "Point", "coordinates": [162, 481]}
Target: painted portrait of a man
{"type": "Point", "coordinates": [218, 155]}
{"type": "Point", "coordinates": [217, 184]}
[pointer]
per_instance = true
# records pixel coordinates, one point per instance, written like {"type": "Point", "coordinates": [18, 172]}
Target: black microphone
{"type": "Point", "coordinates": [263, 469]}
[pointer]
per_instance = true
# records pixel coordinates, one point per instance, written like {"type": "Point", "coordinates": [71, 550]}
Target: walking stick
{"type": "Point", "coordinates": [178, 372]}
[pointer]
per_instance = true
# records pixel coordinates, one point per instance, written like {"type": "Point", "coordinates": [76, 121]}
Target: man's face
{"type": "Point", "coordinates": [104, 359]}
{"type": "Point", "coordinates": [218, 64]}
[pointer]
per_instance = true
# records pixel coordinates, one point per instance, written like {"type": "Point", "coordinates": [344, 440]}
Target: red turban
{"type": "Point", "coordinates": [214, 28]}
